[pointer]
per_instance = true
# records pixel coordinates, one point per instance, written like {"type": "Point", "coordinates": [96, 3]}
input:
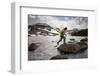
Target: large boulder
{"type": "Point", "coordinates": [72, 47]}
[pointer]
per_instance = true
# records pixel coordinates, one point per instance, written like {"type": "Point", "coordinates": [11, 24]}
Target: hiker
{"type": "Point", "coordinates": [62, 35]}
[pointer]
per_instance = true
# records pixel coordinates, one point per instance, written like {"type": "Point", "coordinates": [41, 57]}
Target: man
{"type": "Point", "coordinates": [62, 35]}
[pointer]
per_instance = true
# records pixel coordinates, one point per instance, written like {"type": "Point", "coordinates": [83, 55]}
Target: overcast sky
{"type": "Point", "coordinates": [59, 21]}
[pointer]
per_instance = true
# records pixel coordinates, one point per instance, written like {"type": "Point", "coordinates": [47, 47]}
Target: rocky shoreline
{"type": "Point", "coordinates": [42, 40]}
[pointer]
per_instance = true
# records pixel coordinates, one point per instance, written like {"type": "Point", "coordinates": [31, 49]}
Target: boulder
{"type": "Point", "coordinates": [72, 47]}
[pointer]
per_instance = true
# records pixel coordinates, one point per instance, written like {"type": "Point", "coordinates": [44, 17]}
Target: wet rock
{"type": "Point", "coordinates": [32, 47]}
{"type": "Point", "coordinates": [59, 57]}
{"type": "Point", "coordinates": [72, 47]}
{"type": "Point", "coordinates": [72, 39]}
{"type": "Point", "coordinates": [83, 40]}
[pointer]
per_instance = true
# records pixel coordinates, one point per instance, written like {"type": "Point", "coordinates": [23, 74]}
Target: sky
{"type": "Point", "coordinates": [70, 22]}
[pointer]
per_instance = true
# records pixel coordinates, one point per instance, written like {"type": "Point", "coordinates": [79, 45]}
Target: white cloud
{"type": "Point", "coordinates": [57, 22]}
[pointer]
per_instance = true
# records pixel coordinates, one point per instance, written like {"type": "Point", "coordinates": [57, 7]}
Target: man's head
{"type": "Point", "coordinates": [65, 28]}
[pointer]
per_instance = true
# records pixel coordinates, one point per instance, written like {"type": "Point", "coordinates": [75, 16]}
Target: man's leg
{"type": "Point", "coordinates": [64, 40]}
{"type": "Point", "coordinates": [59, 40]}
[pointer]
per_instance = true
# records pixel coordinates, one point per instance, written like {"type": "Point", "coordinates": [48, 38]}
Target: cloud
{"type": "Point", "coordinates": [59, 21]}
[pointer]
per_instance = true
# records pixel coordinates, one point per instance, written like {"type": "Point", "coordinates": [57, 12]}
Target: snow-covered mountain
{"type": "Point", "coordinates": [42, 29]}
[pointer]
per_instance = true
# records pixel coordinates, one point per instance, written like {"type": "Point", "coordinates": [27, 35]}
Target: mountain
{"type": "Point", "coordinates": [41, 29]}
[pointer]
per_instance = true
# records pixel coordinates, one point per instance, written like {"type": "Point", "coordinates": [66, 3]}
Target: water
{"type": "Point", "coordinates": [46, 50]}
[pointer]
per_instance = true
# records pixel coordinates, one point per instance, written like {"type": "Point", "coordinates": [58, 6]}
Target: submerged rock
{"type": "Point", "coordinates": [32, 47]}
{"type": "Point", "coordinates": [72, 39]}
{"type": "Point", "coordinates": [59, 57]}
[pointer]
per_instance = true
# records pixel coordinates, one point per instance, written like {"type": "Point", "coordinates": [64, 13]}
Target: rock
{"type": "Point", "coordinates": [32, 47]}
{"type": "Point", "coordinates": [59, 57]}
{"type": "Point", "coordinates": [72, 39]}
{"type": "Point", "coordinates": [72, 47]}
{"type": "Point", "coordinates": [70, 42]}
{"type": "Point", "coordinates": [83, 40]}
{"type": "Point", "coordinates": [82, 32]}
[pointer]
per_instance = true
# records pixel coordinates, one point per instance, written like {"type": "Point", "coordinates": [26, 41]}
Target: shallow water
{"type": "Point", "coordinates": [47, 48]}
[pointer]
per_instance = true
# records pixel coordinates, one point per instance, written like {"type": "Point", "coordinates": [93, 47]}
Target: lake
{"type": "Point", "coordinates": [47, 49]}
